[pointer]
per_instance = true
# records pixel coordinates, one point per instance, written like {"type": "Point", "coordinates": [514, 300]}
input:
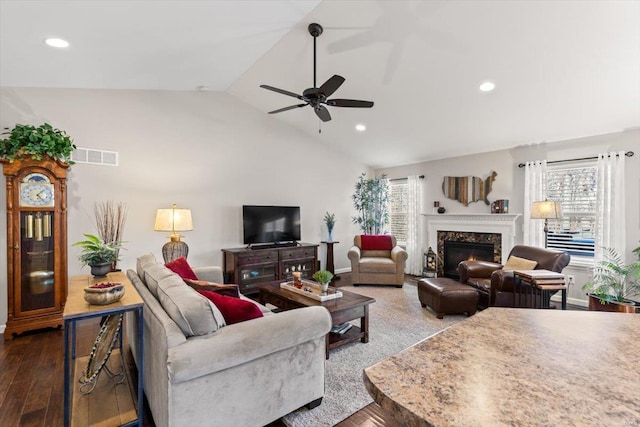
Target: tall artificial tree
{"type": "Point", "coordinates": [371, 198]}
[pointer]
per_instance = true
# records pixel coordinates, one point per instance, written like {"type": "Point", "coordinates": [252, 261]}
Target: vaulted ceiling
{"type": "Point", "coordinates": [562, 69]}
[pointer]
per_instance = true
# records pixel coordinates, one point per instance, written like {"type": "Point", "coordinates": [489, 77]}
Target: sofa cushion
{"type": "Point", "coordinates": [144, 262]}
{"type": "Point", "coordinates": [193, 314]}
{"type": "Point", "coordinates": [153, 274]}
{"type": "Point", "coordinates": [377, 265]}
{"type": "Point", "coordinates": [517, 263]}
{"type": "Point", "coordinates": [181, 267]}
{"type": "Point", "coordinates": [222, 289]}
{"type": "Point", "coordinates": [234, 310]}
{"type": "Point", "coordinates": [376, 242]}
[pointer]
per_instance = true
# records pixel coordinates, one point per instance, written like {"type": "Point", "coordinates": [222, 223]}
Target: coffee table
{"type": "Point", "coordinates": [350, 306]}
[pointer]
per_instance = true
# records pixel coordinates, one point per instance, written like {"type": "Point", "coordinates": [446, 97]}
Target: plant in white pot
{"type": "Point", "coordinates": [97, 254]}
{"type": "Point", "coordinates": [614, 284]}
{"type": "Point", "coordinates": [324, 278]}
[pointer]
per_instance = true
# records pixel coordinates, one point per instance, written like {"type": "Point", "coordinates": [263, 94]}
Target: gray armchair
{"type": "Point", "coordinates": [377, 260]}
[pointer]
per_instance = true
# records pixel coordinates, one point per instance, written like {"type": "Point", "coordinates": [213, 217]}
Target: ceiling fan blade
{"type": "Point", "coordinates": [353, 103]}
{"type": "Point", "coordinates": [322, 113]}
{"type": "Point", "coordinates": [282, 91]}
{"type": "Point", "coordinates": [331, 85]}
{"type": "Point", "coordinates": [287, 108]}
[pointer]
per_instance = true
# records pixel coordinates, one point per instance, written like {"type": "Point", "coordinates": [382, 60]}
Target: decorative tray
{"type": "Point", "coordinates": [312, 290]}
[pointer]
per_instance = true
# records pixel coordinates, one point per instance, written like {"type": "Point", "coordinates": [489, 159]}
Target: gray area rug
{"type": "Point", "coordinates": [396, 321]}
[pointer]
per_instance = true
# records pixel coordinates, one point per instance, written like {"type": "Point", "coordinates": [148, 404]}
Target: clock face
{"type": "Point", "coordinates": [36, 194]}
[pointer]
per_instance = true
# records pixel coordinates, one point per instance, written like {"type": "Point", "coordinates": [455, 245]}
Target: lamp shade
{"type": "Point", "coordinates": [546, 210]}
{"type": "Point", "coordinates": [173, 220]}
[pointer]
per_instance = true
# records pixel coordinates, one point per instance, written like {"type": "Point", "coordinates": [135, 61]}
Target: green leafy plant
{"type": "Point", "coordinates": [95, 251]}
{"type": "Point", "coordinates": [330, 221]}
{"type": "Point", "coordinates": [371, 200]}
{"type": "Point", "coordinates": [322, 276]}
{"type": "Point", "coordinates": [26, 141]}
{"type": "Point", "coordinates": [613, 280]}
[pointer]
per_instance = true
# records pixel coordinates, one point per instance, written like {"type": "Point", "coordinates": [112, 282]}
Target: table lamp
{"type": "Point", "coordinates": [174, 220]}
{"type": "Point", "coordinates": [546, 210]}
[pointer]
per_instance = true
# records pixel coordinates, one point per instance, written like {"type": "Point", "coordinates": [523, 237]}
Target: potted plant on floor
{"type": "Point", "coordinates": [614, 284]}
{"type": "Point", "coordinates": [98, 254]}
{"type": "Point", "coordinates": [371, 199]}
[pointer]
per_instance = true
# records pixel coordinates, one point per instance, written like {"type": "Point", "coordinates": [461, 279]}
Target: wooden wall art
{"type": "Point", "coordinates": [467, 189]}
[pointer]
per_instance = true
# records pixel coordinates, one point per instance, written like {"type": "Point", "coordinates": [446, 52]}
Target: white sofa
{"type": "Point", "coordinates": [245, 374]}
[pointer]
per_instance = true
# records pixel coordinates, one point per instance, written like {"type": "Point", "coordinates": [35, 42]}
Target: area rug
{"type": "Point", "coordinates": [396, 321]}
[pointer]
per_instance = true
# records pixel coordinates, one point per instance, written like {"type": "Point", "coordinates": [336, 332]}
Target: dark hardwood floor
{"type": "Point", "coordinates": [32, 380]}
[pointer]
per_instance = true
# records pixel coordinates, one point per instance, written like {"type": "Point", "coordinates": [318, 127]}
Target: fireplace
{"type": "Point", "coordinates": [455, 252]}
{"type": "Point", "coordinates": [497, 229]}
{"type": "Point", "coordinates": [456, 246]}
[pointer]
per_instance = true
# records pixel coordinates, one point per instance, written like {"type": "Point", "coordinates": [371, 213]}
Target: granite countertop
{"type": "Point", "coordinates": [517, 367]}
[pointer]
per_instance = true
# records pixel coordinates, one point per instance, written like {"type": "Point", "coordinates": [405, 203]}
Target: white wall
{"type": "Point", "coordinates": [205, 151]}
{"type": "Point", "coordinates": [509, 183]}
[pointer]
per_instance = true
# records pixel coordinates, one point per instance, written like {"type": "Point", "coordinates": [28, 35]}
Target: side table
{"type": "Point", "coordinates": [77, 309]}
{"type": "Point", "coordinates": [330, 266]}
{"type": "Point", "coordinates": [544, 281]}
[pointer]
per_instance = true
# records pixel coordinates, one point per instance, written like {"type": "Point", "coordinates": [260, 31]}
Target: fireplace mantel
{"type": "Point", "coordinates": [504, 224]}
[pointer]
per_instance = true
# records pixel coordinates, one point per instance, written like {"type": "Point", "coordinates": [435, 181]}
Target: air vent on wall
{"type": "Point", "coordinates": [95, 157]}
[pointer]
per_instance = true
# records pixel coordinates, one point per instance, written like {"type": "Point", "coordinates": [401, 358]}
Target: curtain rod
{"type": "Point", "coordinates": [628, 154]}
{"type": "Point", "coordinates": [402, 179]}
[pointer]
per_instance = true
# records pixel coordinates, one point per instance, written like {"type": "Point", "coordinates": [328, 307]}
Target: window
{"type": "Point", "coordinates": [398, 209]}
{"type": "Point", "coordinates": [575, 188]}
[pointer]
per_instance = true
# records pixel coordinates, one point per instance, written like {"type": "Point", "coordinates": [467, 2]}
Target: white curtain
{"type": "Point", "coordinates": [534, 191]}
{"type": "Point", "coordinates": [610, 223]}
{"type": "Point", "coordinates": [414, 226]}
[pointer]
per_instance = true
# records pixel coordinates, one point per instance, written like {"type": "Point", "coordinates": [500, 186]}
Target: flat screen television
{"type": "Point", "coordinates": [270, 224]}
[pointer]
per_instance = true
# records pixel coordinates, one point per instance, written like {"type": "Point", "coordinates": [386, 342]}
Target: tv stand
{"type": "Point", "coordinates": [258, 246]}
{"type": "Point", "coordinates": [256, 265]}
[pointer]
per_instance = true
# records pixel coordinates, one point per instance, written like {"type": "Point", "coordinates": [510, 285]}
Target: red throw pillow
{"type": "Point", "coordinates": [376, 242]}
{"type": "Point", "coordinates": [234, 310]}
{"type": "Point", "coordinates": [222, 289]}
{"type": "Point", "coordinates": [181, 267]}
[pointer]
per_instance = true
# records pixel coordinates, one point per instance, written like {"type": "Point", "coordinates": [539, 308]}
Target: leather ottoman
{"type": "Point", "coordinates": [447, 296]}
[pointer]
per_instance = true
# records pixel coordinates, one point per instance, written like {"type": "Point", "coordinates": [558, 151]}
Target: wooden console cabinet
{"type": "Point", "coordinates": [250, 268]}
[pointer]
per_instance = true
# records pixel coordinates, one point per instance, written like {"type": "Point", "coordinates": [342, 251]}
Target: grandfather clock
{"type": "Point", "coordinates": [36, 243]}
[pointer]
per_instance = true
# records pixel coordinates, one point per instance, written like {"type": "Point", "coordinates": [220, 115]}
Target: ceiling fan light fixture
{"type": "Point", "coordinates": [487, 86]}
{"type": "Point", "coordinates": [360, 127]}
{"type": "Point", "coordinates": [56, 42]}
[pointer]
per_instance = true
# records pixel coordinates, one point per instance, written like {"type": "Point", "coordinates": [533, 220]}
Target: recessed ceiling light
{"type": "Point", "coordinates": [487, 86]}
{"type": "Point", "coordinates": [360, 127]}
{"type": "Point", "coordinates": [53, 42]}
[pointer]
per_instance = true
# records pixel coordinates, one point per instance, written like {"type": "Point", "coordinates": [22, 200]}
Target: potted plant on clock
{"type": "Point", "coordinates": [98, 254]}
{"type": "Point", "coordinates": [31, 142]}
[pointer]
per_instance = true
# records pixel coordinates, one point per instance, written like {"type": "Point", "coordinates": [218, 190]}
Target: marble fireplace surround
{"type": "Point", "coordinates": [503, 224]}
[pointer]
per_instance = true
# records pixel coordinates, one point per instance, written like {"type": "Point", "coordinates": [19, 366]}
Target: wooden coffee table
{"type": "Point", "coordinates": [348, 307]}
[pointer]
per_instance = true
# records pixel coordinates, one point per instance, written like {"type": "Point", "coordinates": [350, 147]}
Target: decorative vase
{"type": "Point", "coordinates": [330, 234]}
{"type": "Point", "coordinates": [100, 270]}
{"type": "Point", "coordinates": [441, 210]}
{"type": "Point", "coordinates": [324, 287]}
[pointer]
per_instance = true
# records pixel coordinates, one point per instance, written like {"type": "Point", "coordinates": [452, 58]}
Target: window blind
{"type": "Point", "coordinates": [575, 188]}
{"type": "Point", "coordinates": [398, 210]}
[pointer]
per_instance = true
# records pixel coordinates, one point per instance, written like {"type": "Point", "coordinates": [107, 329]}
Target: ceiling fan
{"type": "Point", "coordinates": [316, 97]}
